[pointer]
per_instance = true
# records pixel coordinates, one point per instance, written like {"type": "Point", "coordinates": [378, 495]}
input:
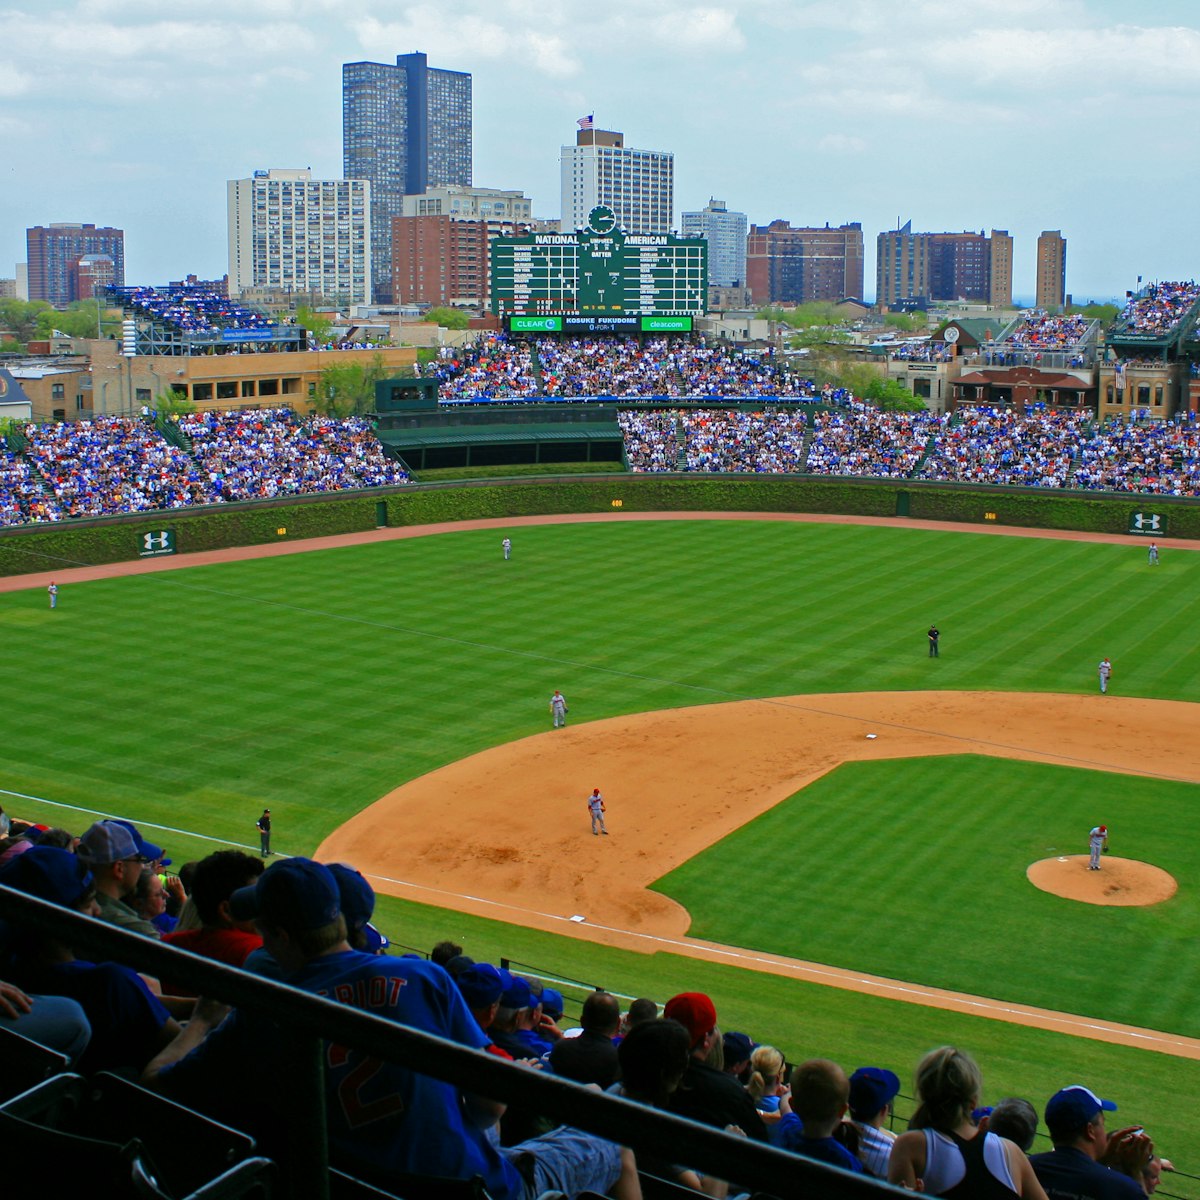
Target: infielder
{"type": "Point", "coordinates": [53, 592]}
{"type": "Point", "coordinates": [1098, 843]}
{"type": "Point", "coordinates": [558, 708]}
{"type": "Point", "coordinates": [595, 803]}
{"type": "Point", "coordinates": [1152, 554]}
{"type": "Point", "coordinates": [507, 547]}
{"type": "Point", "coordinates": [1105, 670]}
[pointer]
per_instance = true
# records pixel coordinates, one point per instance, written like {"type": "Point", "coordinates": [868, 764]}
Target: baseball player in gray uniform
{"type": "Point", "coordinates": [506, 546]}
{"type": "Point", "coordinates": [1105, 670]}
{"type": "Point", "coordinates": [558, 708]}
{"type": "Point", "coordinates": [1097, 842]}
{"type": "Point", "coordinates": [595, 803]}
{"type": "Point", "coordinates": [1152, 554]}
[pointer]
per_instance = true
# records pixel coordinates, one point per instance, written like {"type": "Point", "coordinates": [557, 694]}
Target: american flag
{"type": "Point", "coordinates": [588, 122]}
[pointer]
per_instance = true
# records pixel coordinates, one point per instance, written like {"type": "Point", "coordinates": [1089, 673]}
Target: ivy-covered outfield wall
{"type": "Point", "coordinates": [118, 539]}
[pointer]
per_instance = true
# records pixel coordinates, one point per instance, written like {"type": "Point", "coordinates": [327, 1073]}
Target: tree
{"type": "Point", "coordinates": [20, 317]}
{"type": "Point", "coordinates": [447, 318]}
{"type": "Point", "coordinates": [81, 319]}
{"type": "Point", "coordinates": [170, 403]}
{"type": "Point", "coordinates": [348, 388]}
{"type": "Point", "coordinates": [867, 384]}
{"type": "Point", "coordinates": [319, 325]}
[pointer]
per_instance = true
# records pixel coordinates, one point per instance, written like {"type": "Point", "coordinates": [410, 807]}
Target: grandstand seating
{"type": "Point", "coordinates": [191, 309]}
{"type": "Point", "coordinates": [1156, 311]}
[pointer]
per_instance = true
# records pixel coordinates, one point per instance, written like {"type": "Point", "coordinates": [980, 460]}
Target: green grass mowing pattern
{"type": "Point", "coordinates": [915, 869]}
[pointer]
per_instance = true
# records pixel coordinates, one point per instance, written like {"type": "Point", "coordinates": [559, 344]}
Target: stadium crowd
{"type": "Point", "coordinates": [111, 465]}
{"type": "Point", "coordinates": [868, 441]}
{"type": "Point", "coordinates": [492, 369]}
{"type": "Point", "coordinates": [310, 924]}
{"type": "Point", "coordinates": [260, 453]}
{"type": "Point", "coordinates": [1035, 449]}
{"type": "Point", "coordinates": [770, 442]}
{"type": "Point", "coordinates": [1157, 309]}
{"type": "Point", "coordinates": [194, 309]}
{"type": "Point", "coordinates": [1040, 330]}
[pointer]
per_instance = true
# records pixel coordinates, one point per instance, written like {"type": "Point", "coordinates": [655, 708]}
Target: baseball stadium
{"type": "Point", "coordinates": [859, 848]}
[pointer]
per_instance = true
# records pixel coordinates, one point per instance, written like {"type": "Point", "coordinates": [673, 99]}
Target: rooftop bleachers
{"type": "Point", "coordinates": [1156, 313]}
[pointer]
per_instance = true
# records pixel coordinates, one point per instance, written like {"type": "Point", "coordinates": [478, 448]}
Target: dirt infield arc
{"type": "Point", "coordinates": [688, 777]}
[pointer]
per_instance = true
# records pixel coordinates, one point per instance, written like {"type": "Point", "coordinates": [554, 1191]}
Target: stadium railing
{"type": "Point", "coordinates": [312, 1020]}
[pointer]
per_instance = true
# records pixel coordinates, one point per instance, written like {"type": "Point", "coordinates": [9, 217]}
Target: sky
{"type": "Point", "coordinates": [1025, 115]}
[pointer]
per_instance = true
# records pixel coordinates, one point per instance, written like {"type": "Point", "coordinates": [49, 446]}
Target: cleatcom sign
{"type": "Point", "coordinates": [156, 543]}
{"type": "Point", "coordinates": [1148, 524]}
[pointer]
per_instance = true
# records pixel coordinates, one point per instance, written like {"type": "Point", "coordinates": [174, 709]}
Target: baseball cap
{"type": "Point", "coordinates": [552, 1002]}
{"type": "Point", "coordinates": [481, 985]}
{"type": "Point", "coordinates": [357, 895]}
{"type": "Point", "coordinates": [146, 846]}
{"type": "Point", "coordinates": [737, 1046]}
{"type": "Point", "coordinates": [694, 1011]}
{"type": "Point", "coordinates": [295, 894]}
{"type": "Point", "coordinates": [872, 1088]}
{"type": "Point", "coordinates": [1075, 1106]}
{"type": "Point", "coordinates": [517, 993]}
{"type": "Point", "coordinates": [49, 874]}
{"type": "Point", "coordinates": [115, 841]}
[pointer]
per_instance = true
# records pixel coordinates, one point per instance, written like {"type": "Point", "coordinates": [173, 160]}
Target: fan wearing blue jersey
{"type": "Point", "coordinates": [385, 1121]}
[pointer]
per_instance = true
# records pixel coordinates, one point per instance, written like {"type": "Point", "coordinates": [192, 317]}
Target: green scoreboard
{"type": "Point", "coordinates": [599, 278]}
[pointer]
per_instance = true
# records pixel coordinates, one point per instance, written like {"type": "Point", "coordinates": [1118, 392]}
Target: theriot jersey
{"type": "Point", "coordinates": [382, 1117]}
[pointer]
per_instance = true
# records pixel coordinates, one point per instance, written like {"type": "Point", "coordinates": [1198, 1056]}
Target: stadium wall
{"type": "Point", "coordinates": [34, 548]}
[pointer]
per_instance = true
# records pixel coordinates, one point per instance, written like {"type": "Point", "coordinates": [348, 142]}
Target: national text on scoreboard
{"type": "Point", "coordinates": [599, 273]}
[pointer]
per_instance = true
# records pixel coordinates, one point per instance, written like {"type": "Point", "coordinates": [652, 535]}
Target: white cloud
{"type": "Point", "coordinates": [841, 143]}
{"type": "Point", "coordinates": [14, 82]}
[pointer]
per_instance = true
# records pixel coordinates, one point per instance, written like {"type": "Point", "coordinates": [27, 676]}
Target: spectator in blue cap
{"type": "Point", "coordinates": [358, 907]}
{"type": "Point", "coordinates": [129, 1023]}
{"type": "Point", "coordinates": [1075, 1122]}
{"type": "Point", "coordinates": [117, 855]}
{"type": "Point", "coordinates": [872, 1090]}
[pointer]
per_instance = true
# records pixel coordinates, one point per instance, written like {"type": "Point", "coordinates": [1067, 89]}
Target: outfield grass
{"type": "Point", "coordinates": [924, 860]}
{"type": "Point", "coordinates": [317, 682]}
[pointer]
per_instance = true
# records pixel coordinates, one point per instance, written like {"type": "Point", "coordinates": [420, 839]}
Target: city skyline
{"type": "Point", "coordinates": [1022, 115]}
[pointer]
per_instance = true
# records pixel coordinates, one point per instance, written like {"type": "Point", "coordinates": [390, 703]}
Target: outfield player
{"type": "Point", "coordinates": [595, 803]}
{"type": "Point", "coordinates": [506, 545]}
{"type": "Point", "coordinates": [558, 708]}
{"type": "Point", "coordinates": [53, 592]}
{"type": "Point", "coordinates": [1105, 671]}
{"type": "Point", "coordinates": [1152, 554]}
{"type": "Point", "coordinates": [933, 641]}
{"type": "Point", "coordinates": [1097, 843]}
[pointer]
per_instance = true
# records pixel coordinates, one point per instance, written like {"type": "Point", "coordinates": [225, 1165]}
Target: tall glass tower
{"type": "Point", "coordinates": [406, 128]}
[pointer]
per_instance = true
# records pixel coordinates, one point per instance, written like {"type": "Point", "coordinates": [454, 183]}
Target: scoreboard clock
{"type": "Point", "coordinates": [599, 277]}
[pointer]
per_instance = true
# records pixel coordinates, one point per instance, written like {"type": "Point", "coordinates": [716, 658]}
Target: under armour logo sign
{"type": "Point", "coordinates": [1146, 521]}
{"type": "Point", "coordinates": [156, 541]}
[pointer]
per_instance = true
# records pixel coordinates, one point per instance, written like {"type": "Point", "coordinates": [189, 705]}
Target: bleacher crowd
{"type": "Point", "coordinates": [111, 465]}
{"type": "Point", "coordinates": [194, 309]}
{"type": "Point", "coordinates": [1157, 309]}
{"type": "Point", "coordinates": [310, 924]}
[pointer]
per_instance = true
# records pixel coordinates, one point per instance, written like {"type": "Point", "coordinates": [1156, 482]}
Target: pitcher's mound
{"type": "Point", "coordinates": [1119, 880]}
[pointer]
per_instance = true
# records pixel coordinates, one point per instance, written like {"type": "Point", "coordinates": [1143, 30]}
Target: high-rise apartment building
{"type": "Point", "coordinates": [801, 266]}
{"type": "Point", "coordinates": [440, 260]}
{"type": "Point", "coordinates": [725, 233]}
{"type": "Point", "coordinates": [1051, 270]}
{"type": "Point", "coordinates": [405, 128]}
{"type": "Point", "coordinates": [638, 185]}
{"type": "Point", "coordinates": [54, 252]}
{"type": "Point", "coordinates": [291, 232]}
{"type": "Point", "coordinates": [943, 266]}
